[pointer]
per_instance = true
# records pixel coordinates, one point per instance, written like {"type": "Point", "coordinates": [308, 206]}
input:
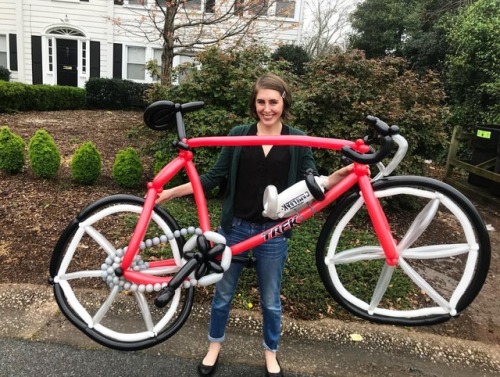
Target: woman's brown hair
{"type": "Point", "coordinates": [273, 82]}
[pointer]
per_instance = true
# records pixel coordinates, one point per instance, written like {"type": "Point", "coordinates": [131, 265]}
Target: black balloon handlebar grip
{"type": "Point", "coordinates": [191, 106]}
{"type": "Point", "coordinates": [371, 158]}
{"type": "Point", "coordinates": [381, 127]}
{"type": "Point", "coordinates": [385, 139]}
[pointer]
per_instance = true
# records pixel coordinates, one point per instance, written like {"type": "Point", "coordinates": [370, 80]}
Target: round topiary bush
{"type": "Point", "coordinates": [12, 154]}
{"type": "Point", "coordinates": [127, 168]}
{"type": "Point", "coordinates": [4, 74]}
{"type": "Point", "coordinates": [86, 164]}
{"type": "Point", "coordinates": [44, 155]}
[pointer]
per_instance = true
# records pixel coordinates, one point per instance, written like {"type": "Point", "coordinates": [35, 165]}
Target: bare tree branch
{"type": "Point", "coordinates": [179, 27]}
{"type": "Point", "coordinates": [329, 20]}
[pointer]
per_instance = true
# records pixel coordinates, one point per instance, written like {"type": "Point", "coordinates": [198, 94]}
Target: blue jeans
{"type": "Point", "coordinates": [270, 259]}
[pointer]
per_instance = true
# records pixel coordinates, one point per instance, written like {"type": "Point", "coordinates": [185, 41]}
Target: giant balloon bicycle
{"type": "Point", "coordinates": [124, 271]}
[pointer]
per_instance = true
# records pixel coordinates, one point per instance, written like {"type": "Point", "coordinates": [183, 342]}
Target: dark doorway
{"type": "Point", "coordinates": [67, 62]}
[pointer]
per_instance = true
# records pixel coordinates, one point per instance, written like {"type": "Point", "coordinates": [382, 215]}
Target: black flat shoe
{"type": "Point", "coordinates": [277, 374]}
{"type": "Point", "coordinates": [207, 370]}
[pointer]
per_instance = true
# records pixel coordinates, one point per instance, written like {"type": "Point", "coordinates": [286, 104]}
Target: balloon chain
{"type": "Point", "coordinates": [114, 259]}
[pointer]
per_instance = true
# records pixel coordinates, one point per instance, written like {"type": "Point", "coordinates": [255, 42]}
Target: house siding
{"type": "Point", "coordinates": [25, 22]}
{"type": "Point", "coordinates": [8, 15]}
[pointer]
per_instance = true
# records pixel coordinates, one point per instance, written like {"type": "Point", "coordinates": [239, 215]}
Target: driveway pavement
{"type": "Point", "coordinates": [32, 323]}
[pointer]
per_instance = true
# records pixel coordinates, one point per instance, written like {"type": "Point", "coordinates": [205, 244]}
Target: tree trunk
{"type": "Point", "coordinates": [167, 57]}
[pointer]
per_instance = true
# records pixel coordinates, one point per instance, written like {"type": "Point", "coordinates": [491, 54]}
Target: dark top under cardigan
{"type": "Point", "coordinates": [301, 161]}
{"type": "Point", "coordinates": [256, 171]}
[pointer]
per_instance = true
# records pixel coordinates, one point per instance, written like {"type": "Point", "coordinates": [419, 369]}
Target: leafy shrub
{"type": "Point", "coordinates": [339, 90]}
{"type": "Point", "coordinates": [86, 164]}
{"type": "Point", "coordinates": [472, 70]}
{"type": "Point", "coordinates": [115, 94]}
{"type": "Point", "coordinates": [160, 159]}
{"type": "Point", "coordinates": [15, 96]}
{"type": "Point", "coordinates": [127, 168]}
{"type": "Point", "coordinates": [297, 56]}
{"type": "Point", "coordinates": [12, 155]}
{"type": "Point", "coordinates": [44, 155]}
{"type": "Point", "coordinates": [4, 74]}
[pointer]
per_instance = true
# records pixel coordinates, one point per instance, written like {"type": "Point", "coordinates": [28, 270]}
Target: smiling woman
{"type": "Point", "coordinates": [249, 171]}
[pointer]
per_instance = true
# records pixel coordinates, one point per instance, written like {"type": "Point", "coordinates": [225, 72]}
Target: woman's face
{"type": "Point", "coordinates": [269, 107]}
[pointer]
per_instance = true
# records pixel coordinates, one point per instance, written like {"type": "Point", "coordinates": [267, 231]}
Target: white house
{"type": "Point", "coordinates": [66, 42]}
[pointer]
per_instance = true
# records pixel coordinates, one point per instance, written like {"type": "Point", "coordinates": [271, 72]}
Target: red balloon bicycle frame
{"type": "Point", "coordinates": [184, 160]}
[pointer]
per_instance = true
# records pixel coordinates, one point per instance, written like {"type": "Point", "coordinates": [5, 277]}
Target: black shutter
{"type": "Point", "coordinates": [117, 60]}
{"type": "Point", "coordinates": [36, 59]}
{"type": "Point", "coordinates": [95, 59]}
{"type": "Point", "coordinates": [13, 52]}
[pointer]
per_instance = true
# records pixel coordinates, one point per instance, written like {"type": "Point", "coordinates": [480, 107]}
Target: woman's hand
{"type": "Point", "coordinates": [174, 192]}
{"type": "Point", "coordinates": [164, 196]}
{"type": "Point", "coordinates": [338, 175]}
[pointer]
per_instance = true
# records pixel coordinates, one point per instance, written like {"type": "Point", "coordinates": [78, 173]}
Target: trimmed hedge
{"type": "Point", "coordinates": [115, 94]}
{"type": "Point", "coordinates": [12, 154]}
{"type": "Point", "coordinates": [127, 168]}
{"type": "Point", "coordinates": [4, 74]}
{"type": "Point", "coordinates": [44, 155]}
{"type": "Point", "coordinates": [98, 94]}
{"type": "Point", "coordinates": [86, 164]}
{"type": "Point", "coordinates": [15, 96]}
